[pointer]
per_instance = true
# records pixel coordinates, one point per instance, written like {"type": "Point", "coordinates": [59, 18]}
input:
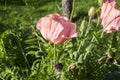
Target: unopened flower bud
{"type": "Point", "coordinates": [91, 12]}
{"type": "Point", "coordinates": [111, 54]}
{"type": "Point", "coordinates": [58, 66]}
{"type": "Point", "coordinates": [72, 68]}
{"type": "Point", "coordinates": [83, 26]}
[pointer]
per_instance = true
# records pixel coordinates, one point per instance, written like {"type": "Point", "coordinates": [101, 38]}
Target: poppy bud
{"type": "Point", "coordinates": [111, 54]}
{"type": "Point", "coordinates": [83, 25]}
{"type": "Point", "coordinates": [91, 12]}
{"type": "Point", "coordinates": [72, 68]}
{"type": "Point", "coordinates": [58, 66]}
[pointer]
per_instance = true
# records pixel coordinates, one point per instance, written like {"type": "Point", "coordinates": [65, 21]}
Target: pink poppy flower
{"type": "Point", "coordinates": [110, 16]}
{"type": "Point", "coordinates": [56, 28]}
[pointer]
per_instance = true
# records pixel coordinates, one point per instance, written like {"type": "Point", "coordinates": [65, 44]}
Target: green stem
{"type": "Point", "coordinates": [102, 35]}
{"type": "Point", "coordinates": [114, 40]}
{"type": "Point", "coordinates": [89, 21]}
{"type": "Point", "coordinates": [98, 22]}
{"type": "Point", "coordinates": [73, 6]}
{"type": "Point", "coordinates": [54, 54]}
{"type": "Point", "coordinates": [25, 2]}
{"type": "Point", "coordinates": [88, 26]}
{"type": "Point", "coordinates": [79, 47]}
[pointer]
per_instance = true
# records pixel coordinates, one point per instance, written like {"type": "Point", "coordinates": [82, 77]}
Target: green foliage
{"type": "Point", "coordinates": [25, 55]}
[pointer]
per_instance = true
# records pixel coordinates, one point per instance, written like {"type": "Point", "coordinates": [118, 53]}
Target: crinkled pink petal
{"type": "Point", "coordinates": [107, 6]}
{"type": "Point", "coordinates": [68, 32]}
{"type": "Point", "coordinates": [55, 31]}
{"type": "Point", "coordinates": [110, 16]}
{"type": "Point", "coordinates": [43, 25]}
